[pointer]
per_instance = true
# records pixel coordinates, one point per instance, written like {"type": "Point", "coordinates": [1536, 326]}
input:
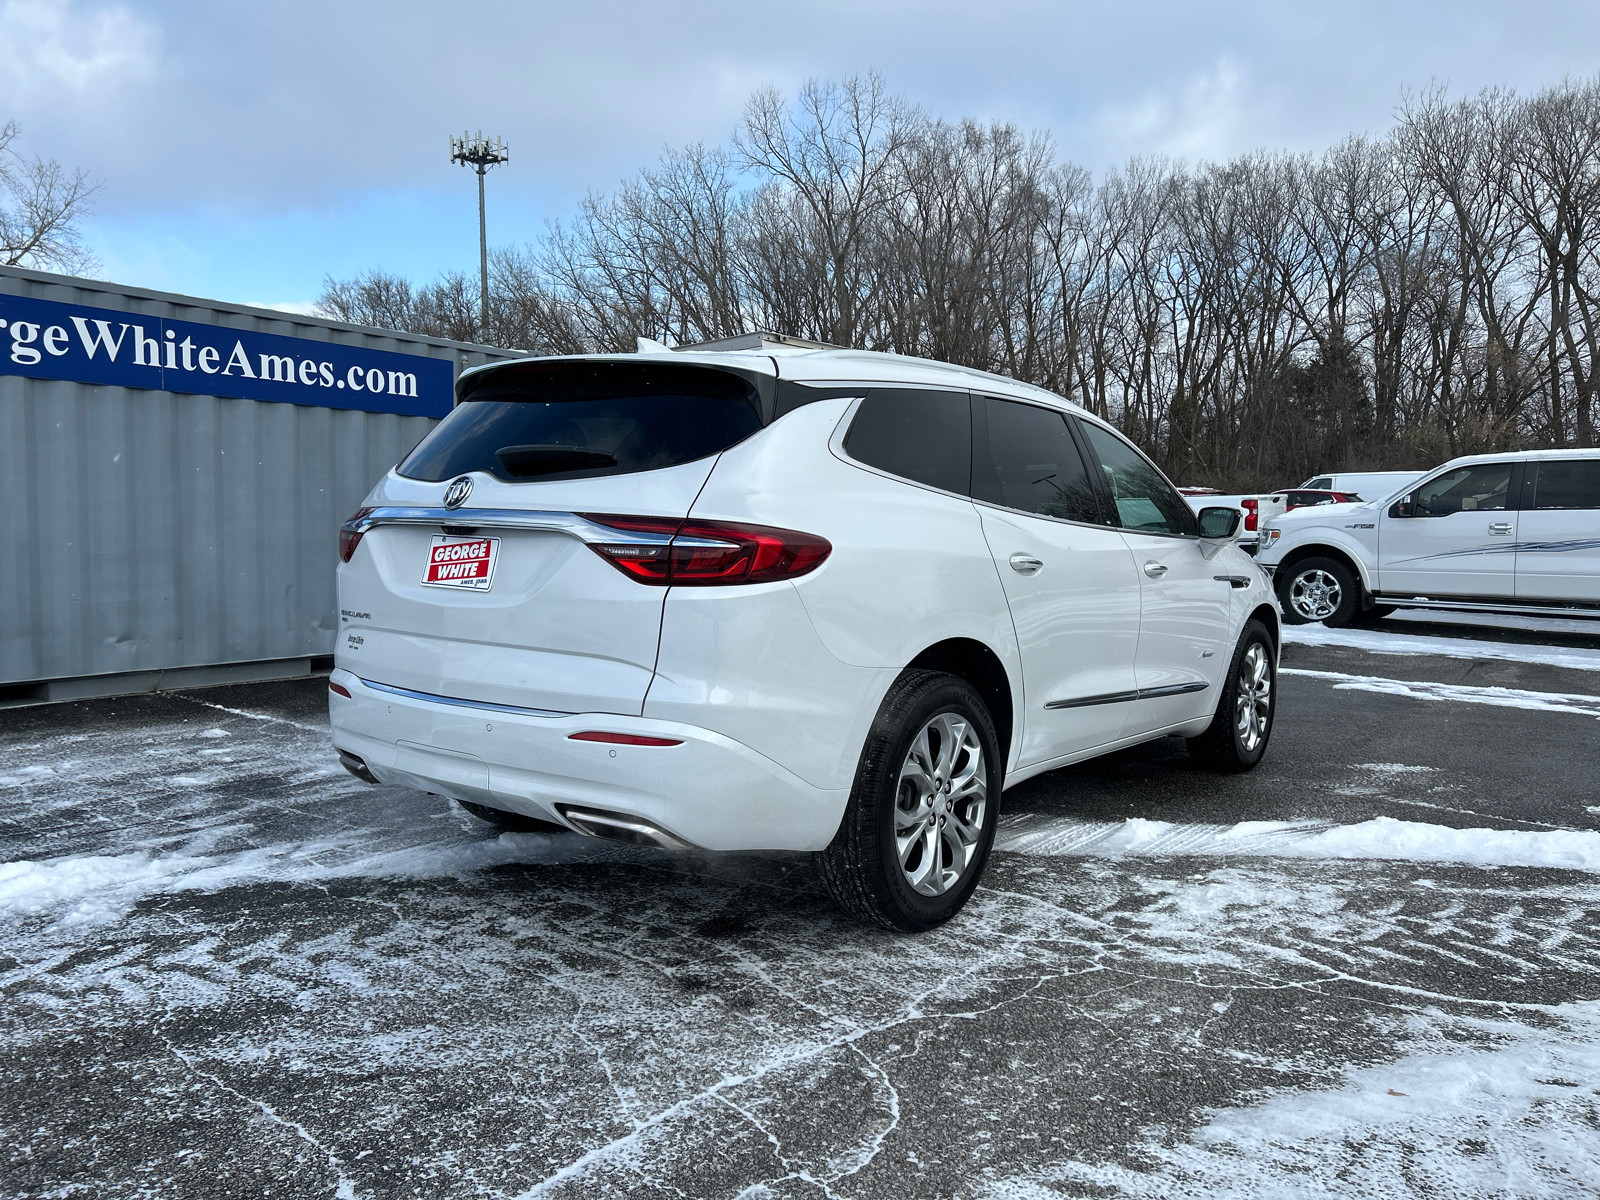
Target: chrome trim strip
{"type": "Point", "coordinates": [1086, 701]}
{"type": "Point", "coordinates": [408, 694]}
{"type": "Point", "coordinates": [1171, 689]}
{"type": "Point", "coordinates": [570, 524]}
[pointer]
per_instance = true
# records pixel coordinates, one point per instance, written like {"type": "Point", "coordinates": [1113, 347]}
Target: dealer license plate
{"type": "Point", "coordinates": [461, 562]}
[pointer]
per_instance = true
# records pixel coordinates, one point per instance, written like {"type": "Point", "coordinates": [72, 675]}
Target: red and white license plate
{"type": "Point", "coordinates": [461, 562]}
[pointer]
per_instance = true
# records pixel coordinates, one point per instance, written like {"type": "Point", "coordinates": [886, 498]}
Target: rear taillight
{"type": "Point", "coordinates": [1252, 515]}
{"type": "Point", "coordinates": [350, 538]}
{"type": "Point", "coordinates": [708, 553]}
{"type": "Point", "coordinates": [622, 739]}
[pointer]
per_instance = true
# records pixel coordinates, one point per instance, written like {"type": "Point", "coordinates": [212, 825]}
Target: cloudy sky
{"type": "Point", "coordinates": [250, 150]}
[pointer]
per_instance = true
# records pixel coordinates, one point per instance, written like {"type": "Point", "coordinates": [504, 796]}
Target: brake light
{"type": "Point", "coordinates": [622, 739]}
{"type": "Point", "coordinates": [1252, 515]}
{"type": "Point", "coordinates": [709, 553]}
{"type": "Point", "coordinates": [349, 538]}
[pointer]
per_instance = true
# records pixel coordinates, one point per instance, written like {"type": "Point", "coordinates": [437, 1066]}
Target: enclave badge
{"type": "Point", "coordinates": [458, 492]}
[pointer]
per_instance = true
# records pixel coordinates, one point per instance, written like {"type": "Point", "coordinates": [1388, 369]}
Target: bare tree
{"type": "Point", "coordinates": [1395, 300]}
{"type": "Point", "coordinates": [41, 204]}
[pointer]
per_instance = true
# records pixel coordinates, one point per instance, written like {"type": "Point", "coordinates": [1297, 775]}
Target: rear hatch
{"type": "Point", "coordinates": [502, 598]}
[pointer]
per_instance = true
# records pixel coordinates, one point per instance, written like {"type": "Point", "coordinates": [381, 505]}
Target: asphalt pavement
{"type": "Point", "coordinates": [230, 969]}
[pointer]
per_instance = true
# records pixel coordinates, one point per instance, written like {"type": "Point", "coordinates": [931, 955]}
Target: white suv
{"type": "Point", "coordinates": [780, 598]}
{"type": "Point", "coordinates": [1516, 532]}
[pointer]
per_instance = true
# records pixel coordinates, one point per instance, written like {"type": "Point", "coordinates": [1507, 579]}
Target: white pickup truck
{"type": "Point", "coordinates": [1256, 511]}
{"type": "Point", "coordinates": [1516, 532]}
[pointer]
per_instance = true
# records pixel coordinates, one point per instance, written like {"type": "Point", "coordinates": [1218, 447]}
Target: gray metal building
{"type": "Point", "coordinates": [153, 535]}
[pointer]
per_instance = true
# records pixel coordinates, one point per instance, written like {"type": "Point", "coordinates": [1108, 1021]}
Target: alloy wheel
{"type": "Point", "coordinates": [1315, 595]}
{"type": "Point", "coordinates": [1253, 706]}
{"type": "Point", "coordinates": [940, 804]}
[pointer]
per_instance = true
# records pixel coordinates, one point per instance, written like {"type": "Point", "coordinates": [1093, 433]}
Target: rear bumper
{"type": "Point", "coordinates": [710, 791]}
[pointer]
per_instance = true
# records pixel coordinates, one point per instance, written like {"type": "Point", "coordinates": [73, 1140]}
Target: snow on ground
{"type": "Point", "coordinates": [224, 961]}
{"type": "Point", "coordinates": [1566, 702]}
{"type": "Point", "coordinates": [1380, 838]}
{"type": "Point", "coordinates": [1496, 1120]}
{"type": "Point", "coordinates": [1384, 641]}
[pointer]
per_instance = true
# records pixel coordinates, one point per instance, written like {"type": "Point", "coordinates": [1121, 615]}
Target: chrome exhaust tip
{"type": "Point", "coordinates": [616, 827]}
{"type": "Point", "coordinates": [353, 764]}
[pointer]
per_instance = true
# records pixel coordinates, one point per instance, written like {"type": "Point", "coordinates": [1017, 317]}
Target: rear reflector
{"type": "Point", "coordinates": [709, 553]}
{"type": "Point", "coordinates": [341, 689]}
{"type": "Point", "coordinates": [623, 739]}
{"type": "Point", "coordinates": [349, 539]}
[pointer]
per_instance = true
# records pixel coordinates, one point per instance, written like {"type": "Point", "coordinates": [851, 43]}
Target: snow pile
{"type": "Point", "coordinates": [1568, 702]}
{"type": "Point", "coordinates": [1381, 642]}
{"type": "Point", "coordinates": [1381, 837]}
{"type": "Point", "coordinates": [1444, 1122]}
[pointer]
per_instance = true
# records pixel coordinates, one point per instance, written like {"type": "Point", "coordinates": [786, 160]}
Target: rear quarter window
{"type": "Point", "coordinates": [584, 420]}
{"type": "Point", "coordinates": [1568, 484]}
{"type": "Point", "coordinates": [923, 436]}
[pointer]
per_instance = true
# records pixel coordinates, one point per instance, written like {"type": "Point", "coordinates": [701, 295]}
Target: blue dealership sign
{"type": "Point", "coordinates": [45, 339]}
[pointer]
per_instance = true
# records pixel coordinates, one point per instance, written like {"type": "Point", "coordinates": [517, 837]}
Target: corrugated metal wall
{"type": "Point", "coordinates": [146, 530]}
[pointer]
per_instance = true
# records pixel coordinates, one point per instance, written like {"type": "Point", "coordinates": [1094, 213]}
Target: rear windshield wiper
{"type": "Point", "coordinates": [524, 462]}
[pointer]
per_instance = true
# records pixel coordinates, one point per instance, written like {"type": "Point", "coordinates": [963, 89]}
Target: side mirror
{"type": "Point", "coordinates": [1217, 524]}
{"type": "Point", "coordinates": [1401, 507]}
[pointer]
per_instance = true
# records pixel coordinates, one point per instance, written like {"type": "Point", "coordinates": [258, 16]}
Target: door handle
{"type": "Point", "coordinates": [1500, 527]}
{"type": "Point", "coordinates": [1025, 564]}
{"type": "Point", "coordinates": [1238, 581]}
{"type": "Point", "coordinates": [1155, 570]}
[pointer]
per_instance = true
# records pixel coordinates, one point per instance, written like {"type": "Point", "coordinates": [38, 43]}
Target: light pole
{"type": "Point", "coordinates": [481, 154]}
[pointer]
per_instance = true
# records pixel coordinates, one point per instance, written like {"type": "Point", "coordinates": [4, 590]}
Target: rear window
{"type": "Point", "coordinates": [583, 420]}
{"type": "Point", "coordinates": [1574, 484]}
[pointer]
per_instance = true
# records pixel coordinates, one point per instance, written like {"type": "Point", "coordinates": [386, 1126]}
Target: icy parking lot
{"type": "Point", "coordinates": [1372, 967]}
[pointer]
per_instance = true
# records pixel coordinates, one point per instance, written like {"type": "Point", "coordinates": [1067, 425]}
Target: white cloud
{"type": "Point", "coordinates": [1205, 117]}
{"type": "Point", "coordinates": [56, 46]}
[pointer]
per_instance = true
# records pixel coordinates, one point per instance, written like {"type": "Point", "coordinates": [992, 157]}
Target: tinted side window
{"type": "Point", "coordinates": [1031, 463]}
{"type": "Point", "coordinates": [922, 436]}
{"type": "Point", "coordinates": [1144, 500]}
{"type": "Point", "coordinates": [1573, 484]}
{"type": "Point", "coordinates": [1466, 489]}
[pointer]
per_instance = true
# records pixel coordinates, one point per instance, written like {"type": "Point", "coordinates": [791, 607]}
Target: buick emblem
{"type": "Point", "coordinates": [456, 495]}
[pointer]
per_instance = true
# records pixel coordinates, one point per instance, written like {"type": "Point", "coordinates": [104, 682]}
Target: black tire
{"type": "Point", "coordinates": [1228, 745]}
{"type": "Point", "coordinates": [514, 822]}
{"type": "Point", "coordinates": [1319, 585]}
{"type": "Point", "coordinates": [861, 866]}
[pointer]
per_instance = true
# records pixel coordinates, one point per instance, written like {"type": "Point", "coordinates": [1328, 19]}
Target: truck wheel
{"type": "Point", "coordinates": [1237, 736]}
{"type": "Point", "coordinates": [917, 831]}
{"type": "Point", "coordinates": [514, 822]}
{"type": "Point", "coordinates": [1319, 589]}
